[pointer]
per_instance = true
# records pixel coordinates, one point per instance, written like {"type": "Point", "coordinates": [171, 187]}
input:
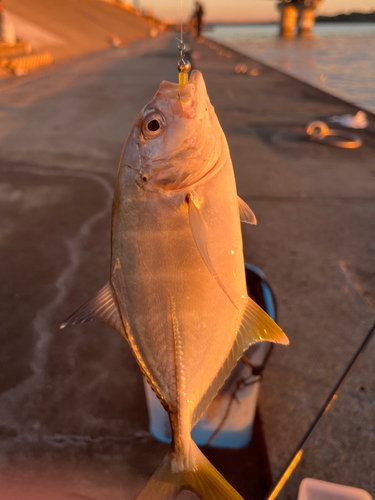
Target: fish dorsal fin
{"type": "Point", "coordinates": [101, 306]}
{"type": "Point", "coordinates": [199, 229]}
{"type": "Point", "coordinates": [255, 326]}
{"type": "Point", "coordinates": [246, 214]}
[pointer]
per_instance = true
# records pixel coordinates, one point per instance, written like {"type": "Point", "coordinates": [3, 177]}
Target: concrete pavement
{"type": "Point", "coordinates": [72, 410]}
{"type": "Point", "coordinates": [62, 414]}
{"type": "Point", "coordinates": [315, 242]}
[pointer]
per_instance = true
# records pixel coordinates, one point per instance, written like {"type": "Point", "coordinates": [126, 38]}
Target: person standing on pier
{"type": "Point", "coordinates": [197, 19]}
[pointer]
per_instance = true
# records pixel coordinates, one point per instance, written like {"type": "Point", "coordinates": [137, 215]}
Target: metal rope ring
{"type": "Point", "coordinates": [320, 132]}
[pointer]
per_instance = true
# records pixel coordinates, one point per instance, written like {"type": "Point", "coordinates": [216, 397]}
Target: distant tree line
{"type": "Point", "coordinates": [354, 17]}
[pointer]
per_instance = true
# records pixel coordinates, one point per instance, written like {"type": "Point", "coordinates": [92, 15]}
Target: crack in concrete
{"type": "Point", "coordinates": [62, 284]}
{"type": "Point", "coordinates": [62, 440]}
{"type": "Point", "coordinates": [355, 285]}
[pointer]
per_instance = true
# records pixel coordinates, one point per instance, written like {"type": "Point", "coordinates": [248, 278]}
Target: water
{"type": "Point", "coordinates": [338, 58]}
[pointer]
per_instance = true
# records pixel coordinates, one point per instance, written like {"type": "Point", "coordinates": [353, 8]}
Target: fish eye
{"type": "Point", "coordinates": [153, 125]}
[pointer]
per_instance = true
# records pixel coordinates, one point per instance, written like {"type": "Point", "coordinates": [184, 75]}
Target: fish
{"type": "Point", "coordinates": [177, 289]}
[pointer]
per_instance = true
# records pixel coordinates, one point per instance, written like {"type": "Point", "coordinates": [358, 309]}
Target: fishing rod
{"type": "Point", "coordinates": [325, 408]}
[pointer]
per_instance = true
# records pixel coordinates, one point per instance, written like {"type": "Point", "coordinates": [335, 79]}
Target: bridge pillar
{"type": "Point", "coordinates": [288, 19]}
{"type": "Point", "coordinates": [306, 17]}
{"type": "Point", "coordinates": [297, 13]}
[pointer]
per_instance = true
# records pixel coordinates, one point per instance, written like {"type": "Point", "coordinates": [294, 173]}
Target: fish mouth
{"type": "Point", "coordinates": [194, 77]}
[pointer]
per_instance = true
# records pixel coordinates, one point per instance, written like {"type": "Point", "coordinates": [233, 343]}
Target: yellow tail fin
{"type": "Point", "coordinates": [206, 482]}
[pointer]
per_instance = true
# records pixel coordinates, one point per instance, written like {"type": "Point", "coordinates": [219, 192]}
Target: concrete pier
{"type": "Point", "coordinates": [73, 418]}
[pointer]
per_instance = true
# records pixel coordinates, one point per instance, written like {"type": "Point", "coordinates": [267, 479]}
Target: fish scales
{"type": "Point", "coordinates": [159, 260]}
{"type": "Point", "coordinates": [177, 289]}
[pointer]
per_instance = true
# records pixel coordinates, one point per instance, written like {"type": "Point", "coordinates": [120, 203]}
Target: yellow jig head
{"type": "Point", "coordinates": [183, 65]}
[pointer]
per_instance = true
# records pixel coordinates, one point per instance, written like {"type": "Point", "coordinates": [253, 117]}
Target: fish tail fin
{"type": "Point", "coordinates": [163, 484]}
{"type": "Point", "coordinates": [205, 481]}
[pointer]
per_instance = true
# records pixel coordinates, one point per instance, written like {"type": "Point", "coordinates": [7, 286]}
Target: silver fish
{"type": "Point", "coordinates": [177, 289]}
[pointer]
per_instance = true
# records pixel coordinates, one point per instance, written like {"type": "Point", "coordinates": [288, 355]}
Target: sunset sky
{"type": "Point", "coordinates": [244, 10]}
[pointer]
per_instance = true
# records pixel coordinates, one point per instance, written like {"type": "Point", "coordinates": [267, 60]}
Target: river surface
{"type": "Point", "coordinates": [338, 58]}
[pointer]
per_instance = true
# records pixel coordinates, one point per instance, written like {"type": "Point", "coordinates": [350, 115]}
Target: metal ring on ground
{"type": "Point", "coordinates": [320, 132]}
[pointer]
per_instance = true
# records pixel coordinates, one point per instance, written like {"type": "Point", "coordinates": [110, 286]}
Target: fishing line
{"type": "Point", "coordinates": [241, 384]}
{"type": "Point", "coordinates": [182, 41]}
{"type": "Point", "coordinates": [255, 291]}
{"type": "Point", "coordinates": [325, 408]}
{"type": "Point", "coordinates": [183, 65]}
{"type": "Point", "coordinates": [256, 376]}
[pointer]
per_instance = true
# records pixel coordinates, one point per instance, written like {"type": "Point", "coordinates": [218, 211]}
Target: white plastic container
{"type": "Point", "coordinates": [237, 429]}
{"type": "Point", "coordinates": [233, 409]}
{"type": "Point", "coordinates": [314, 489]}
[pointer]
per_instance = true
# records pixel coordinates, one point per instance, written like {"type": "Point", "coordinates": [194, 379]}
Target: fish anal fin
{"type": "Point", "coordinates": [102, 306]}
{"type": "Point", "coordinates": [255, 326]}
{"type": "Point", "coordinates": [246, 214]}
{"type": "Point", "coordinates": [205, 481]}
{"type": "Point", "coordinates": [200, 234]}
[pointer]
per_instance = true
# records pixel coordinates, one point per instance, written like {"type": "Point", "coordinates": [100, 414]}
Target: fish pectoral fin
{"type": "Point", "coordinates": [205, 481]}
{"type": "Point", "coordinates": [246, 214]}
{"type": "Point", "coordinates": [101, 306]}
{"type": "Point", "coordinates": [200, 234]}
{"type": "Point", "coordinates": [254, 326]}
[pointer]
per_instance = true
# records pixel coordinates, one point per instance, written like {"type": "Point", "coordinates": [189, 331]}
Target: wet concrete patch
{"type": "Point", "coordinates": [56, 252]}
